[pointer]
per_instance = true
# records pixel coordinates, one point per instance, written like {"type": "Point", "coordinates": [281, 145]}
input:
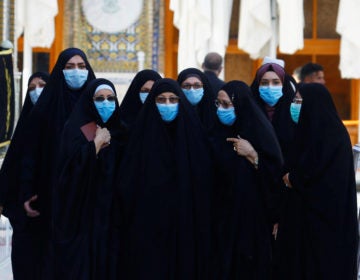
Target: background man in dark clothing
{"type": "Point", "coordinates": [212, 67]}
{"type": "Point", "coordinates": [312, 73]}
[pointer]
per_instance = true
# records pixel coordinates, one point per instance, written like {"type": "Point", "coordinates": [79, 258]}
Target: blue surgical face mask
{"type": "Point", "coordinates": [295, 111]}
{"type": "Point", "coordinates": [270, 94]}
{"type": "Point", "coordinates": [226, 116]}
{"type": "Point", "coordinates": [143, 96]}
{"type": "Point", "coordinates": [75, 78]}
{"type": "Point", "coordinates": [34, 94]}
{"type": "Point", "coordinates": [194, 95]}
{"type": "Point", "coordinates": [105, 109]}
{"type": "Point", "coordinates": [168, 112]}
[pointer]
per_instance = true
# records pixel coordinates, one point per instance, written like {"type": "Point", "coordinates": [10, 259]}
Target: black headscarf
{"type": "Point", "coordinates": [9, 189]}
{"type": "Point", "coordinates": [241, 225]}
{"type": "Point", "coordinates": [283, 124]}
{"type": "Point", "coordinates": [28, 105]}
{"type": "Point", "coordinates": [131, 104]}
{"type": "Point", "coordinates": [43, 131]}
{"type": "Point", "coordinates": [205, 108]}
{"type": "Point", "coordinates": [164, 194]}
{"type": "Point", "coordinates": [84, 191]}
{"type": "Point", "coordinates": [252, 125]}
{"type": "Point", "coordinates": [325, 234]}
{"type": "Point", "coordinates": [56, 93]}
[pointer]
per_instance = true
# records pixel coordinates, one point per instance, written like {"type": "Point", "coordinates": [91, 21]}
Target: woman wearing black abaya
{"type": "Point", "coordinates": [8, 171]}
{"type": "Point", "coordinates": [322, 242]}
{"type": "Point", "coordinates": [91, 148]}
{"type": "Point", "coordinates": [67, 81]}
{"type": "Point", "coordinates": [248, 158]}
{"type": "Point", "coordinates": [42, 131]}
{"type": "Point", "coordinates": [24, 250]}
{"type": "Point", "coordinates": [274, 91]}
{"type": "Point", "coordinates": [199, 93]}
{"type": "Point", "coordinates": [163, 201]}
{"type": "Point", "coordinates": [136, 95]}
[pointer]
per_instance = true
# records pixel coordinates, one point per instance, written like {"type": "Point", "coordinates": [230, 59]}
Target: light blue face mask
{"type": "Point", "coordinates": [295, 111]}
{"type": "Point", "coordinates": [168, 112]}
{"type": "Point", "coordinates": [75, 78]}
{"type": "Point", "coordinates": [270, 94]}
{"type": "Point", "coordinates": [105, 109]}
{"type": "Point", "coordinates": [226, 116]}
{"type": "Point", "coordinates": [143, 96]}
{"type": "Point", "coordinates": [194, 95]}
{"type": "Point", "coordinates": [34, 94]}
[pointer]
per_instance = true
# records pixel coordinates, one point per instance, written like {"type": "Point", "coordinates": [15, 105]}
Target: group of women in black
{"type": "Point", "coordinates": [178, 181]}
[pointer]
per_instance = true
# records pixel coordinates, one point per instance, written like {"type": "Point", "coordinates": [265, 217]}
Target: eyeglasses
{"type": "Point", "coordinates": [223, 104]}
{"type": "Point", "coordinates": [194, 86]}
{"type": "Point", "coordinates": [297, 100]}
{"type": "Point", "coordinates": [162, 100]}
{"type": "Point", "coordinates": [110, 98]}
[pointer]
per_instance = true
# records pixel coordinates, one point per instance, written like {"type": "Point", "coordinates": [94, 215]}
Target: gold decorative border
{"type": "Point", "coordinates": [116, 52]}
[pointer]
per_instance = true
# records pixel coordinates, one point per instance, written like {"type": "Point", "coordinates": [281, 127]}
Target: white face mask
{"type": "Point", "coordinates": [34, 94]}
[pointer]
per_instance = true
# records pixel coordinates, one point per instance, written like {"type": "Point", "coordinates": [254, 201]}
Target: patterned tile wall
{"type": "Point", "coordinates": [117, 52]}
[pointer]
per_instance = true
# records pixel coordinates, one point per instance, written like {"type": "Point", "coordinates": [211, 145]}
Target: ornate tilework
{"type": "Point", "coordinates": [117, 52]}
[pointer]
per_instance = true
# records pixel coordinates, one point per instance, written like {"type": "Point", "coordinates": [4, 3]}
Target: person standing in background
{"type": "Point", "coordinates": [136, 95]}
{"type": "Point", "coordinates": [312, 73]}
{"type": "Point", "coordinates": [212, 67]}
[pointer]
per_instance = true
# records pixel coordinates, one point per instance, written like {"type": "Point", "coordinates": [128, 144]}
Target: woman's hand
{"type": "Point", "coordinates": [287, 181]}
{"type": "Point", "coordinates": [102, 138]}
{"type": "Point", "coordinates": [243, 148]}
{"type": "Point", "coordinates": [275, 230]}
{"type": "Point", "coordinates": [30, 211]}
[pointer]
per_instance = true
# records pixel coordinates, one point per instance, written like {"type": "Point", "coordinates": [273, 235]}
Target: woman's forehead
{"type": "Point", "coordinates": [270, 75]}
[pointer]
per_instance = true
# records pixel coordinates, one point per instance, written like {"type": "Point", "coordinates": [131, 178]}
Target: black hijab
{"type": "Point", "coordinates": [56, 94]}
{"type": "Point", "coordinates": [131, 104]}
{"type": "Point", "coordinates": [267, 147]}
{"type": "Point", "coordinates": [28, 105]}
{"type": "Point", "coordinates": [281, 121]}
{"type": "Point", "coordinates": [164, 194]}
{"type": "Point", "coordinates": [323, 180]}
{"type": "Point", "coordinates": [43, 131]}
{"type": "Point", "coordinates": [83, 193]}
{"type": "Point", "coordinates": [84, 113]}
{"type": "Point", "coordinates": [9, 189]}
{"type": "Point", "coordinates": [251, 124]}
{"type": "Point", "coordinates": [205, 108]}
{"type": "Point", "coordinates": [240, 214]}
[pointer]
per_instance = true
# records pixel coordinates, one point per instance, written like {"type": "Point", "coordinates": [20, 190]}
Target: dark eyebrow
{"type": "Point", "coordinates": [72, 63]}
